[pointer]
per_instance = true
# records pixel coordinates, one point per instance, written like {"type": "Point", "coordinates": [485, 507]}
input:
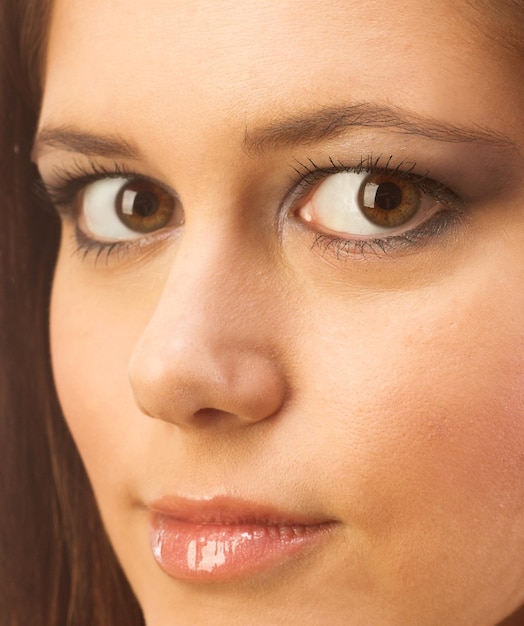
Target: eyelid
{"type": "Point", "coordinates": [67, 182]}
{"type": "Point", "coordinates": [450, 216]}
{"type": "Point", "coordinates": [71, 180]}
{"type": "Point", "coordinates": [310, 174]}
{"type": "Point", "coordinates": [65, 185]}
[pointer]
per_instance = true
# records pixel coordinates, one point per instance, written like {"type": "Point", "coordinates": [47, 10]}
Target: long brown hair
{"type": "Point", "coordinates": [56, 565]}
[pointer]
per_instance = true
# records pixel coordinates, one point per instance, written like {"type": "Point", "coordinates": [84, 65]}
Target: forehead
{"type": "Point", "coordinates": [202, 64]}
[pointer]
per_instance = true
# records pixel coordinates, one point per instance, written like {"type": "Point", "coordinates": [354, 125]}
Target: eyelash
{"type": "Point", "coordinates": [62, 196]}
{"type": "Point", "coordinates": [342, 247]}
{"type": "Point", "coordinates": [72, 181]}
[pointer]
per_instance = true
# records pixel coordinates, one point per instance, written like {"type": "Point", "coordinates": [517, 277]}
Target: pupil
{"type": "Point", "coordinates": [388, 196]}
{"type": "Point", "coordinates": [145, 204]}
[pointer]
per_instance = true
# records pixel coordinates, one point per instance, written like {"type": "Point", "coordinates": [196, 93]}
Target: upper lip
{"type": "Point", "coordinates": [226, 510]}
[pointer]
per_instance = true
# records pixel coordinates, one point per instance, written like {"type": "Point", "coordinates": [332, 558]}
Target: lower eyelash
{"type": "Point", "coordinates": [444, 222]}
{"type": "Point", "coordinates": [72, 182]}
{"type": "Point", "coordinates": [84, 247]}
{"type": "Point", "coordinates": [102, 250]}
{"type": "Point", "coordinates": [449, 218]}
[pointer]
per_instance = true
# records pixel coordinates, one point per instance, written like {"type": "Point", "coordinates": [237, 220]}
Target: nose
{"type": "Point", "coordinates": [210, 351]}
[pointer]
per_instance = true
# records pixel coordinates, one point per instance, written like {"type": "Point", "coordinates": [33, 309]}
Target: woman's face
{"type": "Point", "coordinates": [287, 314]}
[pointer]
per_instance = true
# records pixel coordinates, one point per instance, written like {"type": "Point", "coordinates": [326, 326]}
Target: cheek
{"type": "Point", "coordinates": [434, 389]}
{"type": "Point", "coordinates": [420, 439]}
{"type": "Point", "coordinates": [92, 335]}
{"type": "Point", "coordinates": [425, 404]}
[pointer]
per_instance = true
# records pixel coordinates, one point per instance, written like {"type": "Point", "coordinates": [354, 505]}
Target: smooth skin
{"type": "Point", "coordinates": [235, 353]}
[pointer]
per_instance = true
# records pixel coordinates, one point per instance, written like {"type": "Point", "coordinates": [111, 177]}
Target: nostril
{"type": "Point", "coordinates": [214, 417]}
{"type": "Point", "coordinates": [209, 413]}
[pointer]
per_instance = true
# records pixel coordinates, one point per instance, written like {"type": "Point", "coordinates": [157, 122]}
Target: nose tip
{"type": "Point", "coordinates": [194, 385]}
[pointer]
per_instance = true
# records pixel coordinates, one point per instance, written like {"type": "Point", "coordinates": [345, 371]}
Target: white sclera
{"type": "Point", "coordinates": [99, 211]}
{"type": "Point", "coordinates": [336, 205]}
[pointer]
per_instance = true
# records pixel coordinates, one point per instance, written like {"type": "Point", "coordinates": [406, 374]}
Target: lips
{"type": "Point", "coordinates": [221, 539]}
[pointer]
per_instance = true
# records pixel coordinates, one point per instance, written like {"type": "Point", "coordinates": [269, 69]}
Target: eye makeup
{"type": "Point", "coordinates": [452, 175]}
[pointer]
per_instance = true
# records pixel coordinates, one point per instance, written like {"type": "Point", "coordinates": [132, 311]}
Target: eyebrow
{"type": "Point", "coordinates": [330, 122]}
{"type": "Point", "coordinates": [305, 128]}
{"type": "Point", "coordinates": [72, 139]}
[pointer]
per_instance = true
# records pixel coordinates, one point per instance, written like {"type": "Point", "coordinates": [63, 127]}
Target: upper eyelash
{"type": "Point", "coordinates": [312, 173]}
{"type": "Point", "coordinates": [71, 181]}
{"type": "Point", "coordinates": [74, 179]}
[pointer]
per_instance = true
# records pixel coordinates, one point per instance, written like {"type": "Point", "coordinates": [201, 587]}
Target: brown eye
{"type": "Point", "coordinates": [117, 209]}
{"type": "Point", "coordinates": [144, 207]}
{"type": "Point", "coordinates": [367, 204]}
{"type": "Point", "coordinates": [387, 201]}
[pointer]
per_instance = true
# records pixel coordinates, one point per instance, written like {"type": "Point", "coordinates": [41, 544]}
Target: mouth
{"type": "Point", "coordinates": [221, 539]}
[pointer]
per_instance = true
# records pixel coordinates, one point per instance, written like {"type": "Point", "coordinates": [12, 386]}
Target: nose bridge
{"type": "Point", "coordinates": [210, 346]}
{"type": "Point", "coordinates": [218, 283]}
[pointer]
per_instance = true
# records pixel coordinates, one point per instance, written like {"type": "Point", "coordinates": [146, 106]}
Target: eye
{"type": "Point", "coordinates": [115, 209]}
{"type": "Point", "coordinates": [366, 204]}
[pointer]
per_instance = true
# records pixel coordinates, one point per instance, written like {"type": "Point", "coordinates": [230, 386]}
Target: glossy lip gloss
{"type": "Point", "coordinates": [217, 540]}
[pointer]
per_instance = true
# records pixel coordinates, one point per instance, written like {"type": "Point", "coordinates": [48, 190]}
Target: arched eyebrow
{"type": "Point", "coordinates": [305, 128]}
{"type": "Point", "coordinates": [331, 122]}
{"type": "Point", "coordinates": [71, 139]}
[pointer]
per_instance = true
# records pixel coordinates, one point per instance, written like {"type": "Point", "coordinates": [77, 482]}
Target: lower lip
{"type": "Point", "coordinates": [215, 552]}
